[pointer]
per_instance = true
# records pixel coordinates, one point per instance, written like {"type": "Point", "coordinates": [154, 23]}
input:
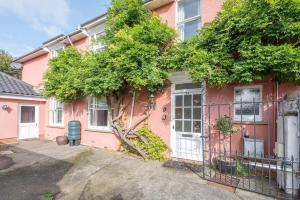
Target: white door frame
{"type": "Point", "coordinates": [36, 117]}
{"type": "Point", "coordinates": [179, 78]}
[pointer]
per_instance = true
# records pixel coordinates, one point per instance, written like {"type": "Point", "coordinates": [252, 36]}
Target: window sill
{"type": "Point", "coordinates": [251, 122]}
{"type": "Point", "coordinates": [56, 126]}
{"type": "Point", "coordinates": [99, 130]}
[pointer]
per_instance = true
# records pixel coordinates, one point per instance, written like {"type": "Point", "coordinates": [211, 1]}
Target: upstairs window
{"type": "Point", "coordinates": [96, 44]}
{"type": "Point", "coordinates": [98, 114]}
{"type": "Point", "coordinates": [56, 112]}
{"type": "Point", "coordinates": [54, 53]}
{"type": "Point", "coordinates": [248, 103]}
{"type": "Point", "coordinates": [189, 20]}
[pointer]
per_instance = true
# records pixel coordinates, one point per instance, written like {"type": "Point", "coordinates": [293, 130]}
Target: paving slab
{"type": "Point", "coordinates": [87, 173]}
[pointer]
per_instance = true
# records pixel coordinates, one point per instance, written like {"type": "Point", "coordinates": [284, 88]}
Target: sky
{"type": "Point", "coordinates": [26, 24]}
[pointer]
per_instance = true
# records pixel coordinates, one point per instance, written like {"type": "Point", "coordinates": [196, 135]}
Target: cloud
{"type": "Point", "coordinates": [48, 16]}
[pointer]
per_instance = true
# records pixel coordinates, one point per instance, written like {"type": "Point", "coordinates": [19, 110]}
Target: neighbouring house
{"type": "Point", "coordinates": [184, 111]}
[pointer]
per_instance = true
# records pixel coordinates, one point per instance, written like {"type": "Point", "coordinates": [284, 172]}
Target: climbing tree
{"type": "Point", "coordinates": [136, 42]}
{"type": "Point", "coordinates": [249, 40]}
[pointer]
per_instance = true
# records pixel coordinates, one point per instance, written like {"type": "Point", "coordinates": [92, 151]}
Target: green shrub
{"type": "Point", "coordinates": [155, 148]}
{"type": "Point", "coordinates": [225, 125]}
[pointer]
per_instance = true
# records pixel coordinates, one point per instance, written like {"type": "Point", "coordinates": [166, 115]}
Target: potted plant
{"type": "Point", "coordinates": [62, 140]}
{"type": "Point", "coordinates": [226, 126]}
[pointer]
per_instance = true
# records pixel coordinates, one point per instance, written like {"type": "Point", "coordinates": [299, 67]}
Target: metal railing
{"type": "Point", "coordinates": [262, 153]}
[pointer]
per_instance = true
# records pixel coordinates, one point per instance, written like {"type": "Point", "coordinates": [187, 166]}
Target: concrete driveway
{"type": "Point", "coordinates": [43, 169]}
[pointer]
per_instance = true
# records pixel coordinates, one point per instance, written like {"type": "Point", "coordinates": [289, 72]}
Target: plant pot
{"type": "Point", "coordinates": [62, 140]}
{"type": "Point", "coordinates": [5, 162]}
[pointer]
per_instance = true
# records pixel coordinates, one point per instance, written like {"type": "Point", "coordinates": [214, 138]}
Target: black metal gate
{"type": "Point", "coordinates": [253, 146]}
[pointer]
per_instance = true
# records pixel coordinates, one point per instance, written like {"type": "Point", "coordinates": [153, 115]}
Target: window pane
{"type": "Point", "coordinates": [178, 101]}
{"type": "Point", "coordinates": [197, 100]}
{"type": "Point", "coordinates": [178, 125]}
{"type": "Point", "coordinates": [246, 100]}
{"type": "Point", "coordinates": [247, 109]}
{"type": "Point", "coordinates": [187, 126]}
{"type": "Point", "coordinates": [178, 113]}
{"type": "Point", "coordinates": [187, 100]}
{"type": "Point", "coordinates": [187, 113]}
{"type": "Point", "coordinates": [190, 29]}
{"type": "Point", "coordinates": [27, 114]}
{"type": "Point", "coordinates": [99, 118]}
{"type": "Point", "coordinates": [187, 86]}
{"type": "Point", "coordinates": [197, 127]}
{"type": "Point", "coordinates": [197, 113]}
{"type": "Point", "coordinates": [188, 9]}
{"type": "Point", "coordinates": [247, 95]}
{"type": "Point", "coordinates": [59, 116]}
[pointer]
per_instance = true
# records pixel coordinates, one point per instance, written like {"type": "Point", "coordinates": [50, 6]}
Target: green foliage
{"type": "Point", "coordinates": [49, 196]}
{"type": "Point", "coordinates": [248, 41]}
{"type": "Point", "coordinates": [225, 125]}
{"type": "Point", "coordinates": [5, 64]}
{"type": "Point", "coordinates": [65, 76]}
{"type": "Point", "coordinates": [135, 45]}
{"type": "Point", "coordinates": [242, 170]}
{"type": "Point", "coordinates": [155, 148]}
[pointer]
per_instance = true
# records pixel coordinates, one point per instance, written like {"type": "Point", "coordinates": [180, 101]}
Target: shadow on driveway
{"type": "Point", "coordinates": [39, 177]}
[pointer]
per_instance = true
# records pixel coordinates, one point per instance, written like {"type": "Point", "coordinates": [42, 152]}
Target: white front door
{"type": "Point", "coordinates": [187, 122]}
{"type": "Point", "coordinates": [28, 122]}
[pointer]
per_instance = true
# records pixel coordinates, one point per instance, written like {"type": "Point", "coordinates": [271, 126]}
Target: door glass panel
{"type": "Point", "coordinates": [187, 113]}
{"type": "Point", "coordinates": [188, 100]}
{"type": "Point", "coordinates": [197, 100]}
{"type": "Point", "coordinates": [178, 125]}
{"type": "Point", "coordinates": [197, 127]}
{"type": "Point", "coordinates": [27, 114]}
{"type": "Point", "coordinates": [178, 101]}
{"type": "Point", "coordinates": [197, 113]}
{"type": "Point", "coordinates": [178, 114]}
{"type": "Point", "coordinates": [187, 126]}
{"type": "Point", "coordinates": [187, 86]}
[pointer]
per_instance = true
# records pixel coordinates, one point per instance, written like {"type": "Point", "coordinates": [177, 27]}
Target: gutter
{"type": "Point", "coordinates": [23, 97]}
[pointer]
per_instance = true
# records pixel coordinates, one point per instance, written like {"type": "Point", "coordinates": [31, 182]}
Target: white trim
{"type": "Point", "coordinates": [37, 117]}
{"type": "Point", "coordinates": [185, 79]}
{"type": "Point", "coordinates": [194, 18]}
{"type": "Point", "coordinates": [51, 123]}
{"type": "Point", "coordinates": [258, 118]}
{"type": "Point", "coordinates": [16, 97]}
{"type": "Point", "coordinates": [98, 128]}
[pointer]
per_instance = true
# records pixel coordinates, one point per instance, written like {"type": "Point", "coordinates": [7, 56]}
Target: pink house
{"type": "Point", "coordinates": [184, 112]}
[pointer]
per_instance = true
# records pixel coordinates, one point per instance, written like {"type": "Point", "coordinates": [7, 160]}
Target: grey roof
{"type": "Point", "coordinates": [93, 19]}
{"type": "Point", "coordinates": [12, 86]}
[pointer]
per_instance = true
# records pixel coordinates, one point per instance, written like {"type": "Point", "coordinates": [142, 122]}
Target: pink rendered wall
{"type": "Point", "coordinates": [34, 69]}
{"type": "Point", "coordinates": [9, 119]}
{"type": "Point", "coordinates": [88, 137]}
{"type": "Point", "coordinates": [209, 9]}
{"type": "Point", "coordinates": [260, 129]}
{"type": "Point", "coordinates": [167, 14]}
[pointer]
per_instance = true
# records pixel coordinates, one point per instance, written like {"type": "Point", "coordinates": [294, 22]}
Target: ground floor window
{"type": "Point", "coordinates": [98, 114]}
{"type": "Point", "coordinates": [56, 114]}
{"type": "Point", "coordinates": [248, 103]}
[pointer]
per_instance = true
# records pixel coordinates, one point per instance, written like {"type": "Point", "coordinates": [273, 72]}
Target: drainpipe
{"type": "Point", "coordinates": [132, 108]}
{"type": "Point", "coordinates": [70, 40]}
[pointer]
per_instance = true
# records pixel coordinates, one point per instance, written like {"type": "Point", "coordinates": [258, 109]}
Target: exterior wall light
{"type": "Point", "coordinates": [5, 107]}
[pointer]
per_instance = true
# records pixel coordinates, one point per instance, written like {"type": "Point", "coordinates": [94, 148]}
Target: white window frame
{"type": "Point", "coordinates": [191, 19]}
{"type": "Point", "coordinates": [249, 118]}
{"type": "Point", "coordinates": [99, 128]}
{"type": "Point", "coordinates": [54, 51]}
{"type": "Point", "coordinates": [96, 45]}
{"type": "Point", "coordinates": [52, 108]}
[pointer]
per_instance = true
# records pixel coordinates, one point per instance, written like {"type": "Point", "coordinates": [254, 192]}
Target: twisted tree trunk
{"type": "Point", "coordinates": [126, 134]}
